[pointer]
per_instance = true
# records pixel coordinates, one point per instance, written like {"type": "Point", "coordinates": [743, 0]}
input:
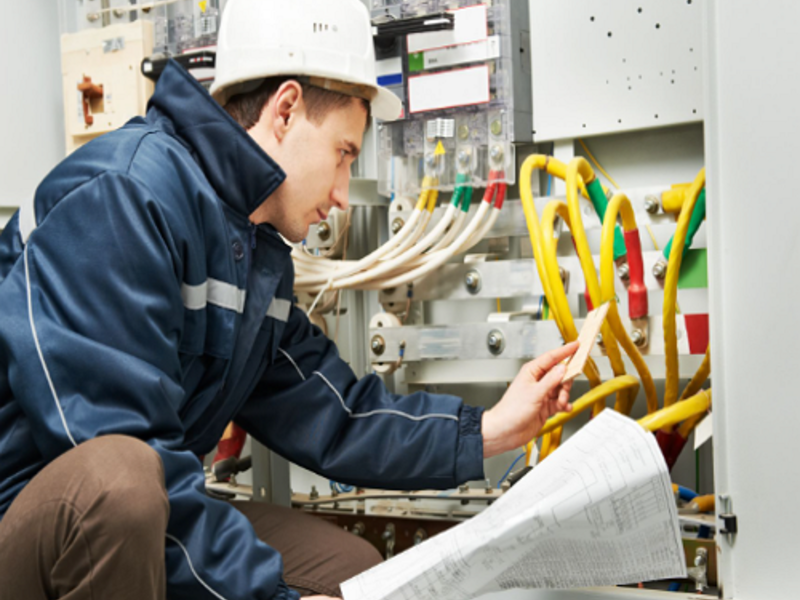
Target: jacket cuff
{"type": "Point", "coordinates": [284, 592]}
{"type": "Point", "coordinates": [469, 453]}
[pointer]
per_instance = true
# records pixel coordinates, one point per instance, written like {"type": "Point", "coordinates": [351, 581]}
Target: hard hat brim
{"type": "Point", "coordinates": [386, 105]}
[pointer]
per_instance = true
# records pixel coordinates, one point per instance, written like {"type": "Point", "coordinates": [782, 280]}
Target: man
{"type": "Point", "coordinates": [147, 302]}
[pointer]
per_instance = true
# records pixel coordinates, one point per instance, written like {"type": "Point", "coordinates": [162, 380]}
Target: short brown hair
{"type": "Point", "coordinates": [245, 108]}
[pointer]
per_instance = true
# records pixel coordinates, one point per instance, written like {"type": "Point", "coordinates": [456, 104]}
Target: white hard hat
{"type": "Point", "coordinates": [324, 40]}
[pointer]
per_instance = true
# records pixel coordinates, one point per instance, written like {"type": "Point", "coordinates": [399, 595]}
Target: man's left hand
{"type": "Point", "coordinates": [534, 396]}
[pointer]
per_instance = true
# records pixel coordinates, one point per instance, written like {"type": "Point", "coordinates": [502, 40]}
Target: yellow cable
{"type": "Point", "coordinates": [671, 291]}
{"type": "Point", "coordinates": [578, 167]}
{"type": "Point", "coordinates": [669, 416]}
{"type": "Point", "coordinates": [559, 303]}
{"type": "Point", "coordinates": [621, 204]}
{"type": "Point", "coordinates": [700, 377]}
{"type": "Point", "coordinates": [597, 164]}
{"type": "Point", "coordinates": [591, 398]}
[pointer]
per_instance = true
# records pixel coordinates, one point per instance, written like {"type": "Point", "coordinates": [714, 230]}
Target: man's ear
{"type": "Point", "coordinates": [286, 105]}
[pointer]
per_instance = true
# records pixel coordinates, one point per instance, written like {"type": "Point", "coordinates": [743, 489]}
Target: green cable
{"type": "Point", "coordinates": [698, 216]}
{"type": "Point", "coordinates": [461, 179]}
{"type": "Point", "coordinates": [600, 203]}
{"type": "Point", "coordinates": [467, 199]}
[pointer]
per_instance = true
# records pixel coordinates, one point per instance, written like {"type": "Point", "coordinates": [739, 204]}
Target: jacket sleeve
{"type": "Point", "coordinates": [93, 315]}
{"type": "Point", "coordinates": [310, 407]}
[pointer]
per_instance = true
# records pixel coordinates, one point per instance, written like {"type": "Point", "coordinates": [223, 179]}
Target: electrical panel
{"type": "Point", "coordinates": [465, 92]}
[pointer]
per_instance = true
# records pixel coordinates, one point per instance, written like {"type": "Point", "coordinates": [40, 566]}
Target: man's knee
{"type": "Point", "coordinates": [128, 476]}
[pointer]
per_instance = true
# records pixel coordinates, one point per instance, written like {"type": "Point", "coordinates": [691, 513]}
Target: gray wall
{"type": "Point", "coordinates": [31, 102]}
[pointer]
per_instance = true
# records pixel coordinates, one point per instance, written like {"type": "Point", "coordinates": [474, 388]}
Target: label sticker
{"type": "Point", "coordinates": [462, 87]}
{"type": "Point", "coordinates": [471, 25]}
{"type": "Point", "coordinates": [455, 55]}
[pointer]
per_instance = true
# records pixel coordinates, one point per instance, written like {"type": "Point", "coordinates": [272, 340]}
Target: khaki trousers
{"type": "Point", "coordinates": [91, 525]}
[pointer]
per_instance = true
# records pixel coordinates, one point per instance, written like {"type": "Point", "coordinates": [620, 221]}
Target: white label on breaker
{"type": "Point", "coordinates": [471, 25]}
{"type": "Point", "coordinates": [463, 87]}
{"type": "Point", "coordinates": [458, 55]}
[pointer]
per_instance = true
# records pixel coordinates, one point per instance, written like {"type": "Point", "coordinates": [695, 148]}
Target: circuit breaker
{"type": "Point", "coordinates": [465, 88]}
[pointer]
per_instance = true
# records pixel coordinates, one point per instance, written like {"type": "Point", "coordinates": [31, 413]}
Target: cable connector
{"type": "Point", "coordinates": [637, 292]}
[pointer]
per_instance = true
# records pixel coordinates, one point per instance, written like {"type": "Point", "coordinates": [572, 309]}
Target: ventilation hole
{"type": "Point", "coordinates": [315, 28]}
{"type": "Point", "coordinates": [694, 111]}
{"type": "Point", "coordinates": [629, 78]}
{"type": "Point", "coordinates": [673, 81]}
{"type": "Point", "coordinates": [619, 120]}
{"type": "Point", "coordinates": [673, 71]}
{"type": "Point", "coordinates": [640, 76]}
{"type": "Point", "coordinates": [584, 125]}
{"type": "Point", "coordinates": [691, 49]}
{"type": "Point", "coordinates": [606, 81]}
{"type": "Point", "coordinates": [656, 116]}
{"type": "Point", "coordinates": [630, 88]}
{"type": "Point", "coordinates": [609, 34]}
{"type": "Point", "coordinates": [695, 68]}
{"type": "Point", "coordinates": [658, 25]}
{"type": "Point", "coordinates": [661, 73]}
{"type": "Point", "coordinates": [591, 19]}
{"type": "Point", "coordinates": [640, 10]}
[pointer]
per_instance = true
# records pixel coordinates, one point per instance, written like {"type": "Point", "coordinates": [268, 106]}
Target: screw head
{"type": "Point", "coordinates": [473, 282]}
{"type": "Point", "coordinates": [651, 204]}
{"type": "Point", "coordinates": [496, 127]}
{"type": "Point", "coordinates": [463, 132]}
{"type": "Point", "coordinates": [660, 269]}
{"type": "Point", "coordinates": [378, 345]}
{"type": "Point", "coordinates": [624, 272]}
{"type": "Point", "coordinates": [497, 154]}
{"type": "Point", "coordinates": [430, 160]}
{"type": "Point", "coordinates": [119, 13]}
{"type": "Point", "coordinates": [92, 17]}
{"type": "Point", "coordinates": [314, 493]}
{"type": "Point", "coordinates": [638, 337]}
{"type": "Point", "coordinates": [397, 225]}
{"type": "Point", "coordinates": [495, 342]}
{"type": "Point", "coordinates": [324, 231]}
{"type": "Point", "coordinates": [463, 158]}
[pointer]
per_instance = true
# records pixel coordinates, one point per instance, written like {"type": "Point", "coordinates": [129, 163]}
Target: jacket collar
{"type": "Point", "coordinates": [242, 174]}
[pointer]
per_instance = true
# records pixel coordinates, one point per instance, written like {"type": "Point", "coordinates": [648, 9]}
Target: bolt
{"type": "Point", "coordinates": [324, 231]}
{"type": "Point", "coordinates": [463, 158]}
{"type": "Point", "coordinates": [651, 204]}
{"type": "Point", "coordinates": [497, 127]}
{"type": "Point", "coordinates": [599, 340]}
{"type": "Point", "coordinates": [358, 529]}
{"type": "Point", "coordinates": [473, 282]}
{"type": "Point", "coordinates": [378, 345]}
{"type": "Point", "coordinates": [497, 154]}
{"type": "Point", "coordinates": [660, 269]}
{"type": "Point", "coordinates": [463, 489]}
{"type": "Point", "coordinates": [638, 337]}
{"type": "Point", "coordinates": [119, 13]}
{"type": "Point", "coordinates": [487, 486]}
{"type": "Point", "coordinates": [430, 161]}
{"type": "Point", "coordinates": [463, 132]}
{"type": "Point", "coordinates": [495, 342]}
{"type": "Point", "coordinates": [397, 225]}
{"type": "Point", "coordinates": [624, 272]}
{"type": "Point", "coordinates": [92, 17]}
{"type": "Point", "coordinates": [314, 493]}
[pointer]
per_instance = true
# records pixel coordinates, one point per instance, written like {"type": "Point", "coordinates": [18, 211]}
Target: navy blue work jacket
{"type": "Point", "coordinates": [136, 298]}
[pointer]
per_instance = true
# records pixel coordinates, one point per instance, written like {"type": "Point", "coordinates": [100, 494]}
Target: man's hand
{"type": "Point", "coordinates": [534, 396]}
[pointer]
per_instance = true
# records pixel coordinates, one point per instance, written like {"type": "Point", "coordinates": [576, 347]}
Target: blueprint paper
{"type": "Point", "coordinates": [599, 511]}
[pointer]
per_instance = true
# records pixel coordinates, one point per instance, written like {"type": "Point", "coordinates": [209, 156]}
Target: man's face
{"type": "Point", "coordinates": [316, 158]}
